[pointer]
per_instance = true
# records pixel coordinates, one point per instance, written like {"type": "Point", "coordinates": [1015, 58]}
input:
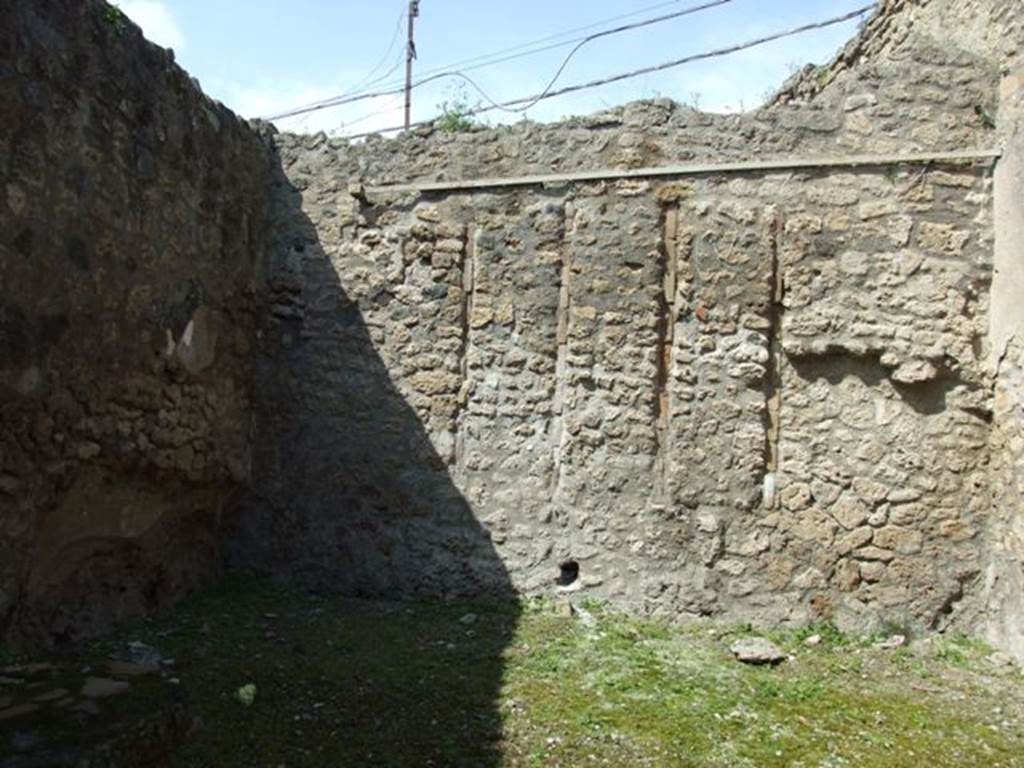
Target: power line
{"type": "Point", "coordinates": [485, 60]}
{"type": "Point", "coordinates": [543, 94]}
{"type": "Point", "coordinates": [369, 80]}
{"type": "Point", "coordinates": [390, 105]}
{"type": "Point", "coordinates": [584, 41]}
{"type": "Point", "coordinates": [488, 62]}
{"type": "Point", "coordinates": [394, 68]}
{"type": "Point", "coordinates": [494, 57]}
{"type": "Point", "coordinates": [646, 70]}
{"type": "Point", "coordinates": [349, 99]}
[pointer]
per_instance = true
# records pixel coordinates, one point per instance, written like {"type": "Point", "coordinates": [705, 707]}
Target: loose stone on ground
{"type": "Point", "coordinates": [757, 651]}
{"type": "Point", "coordinates": [101, 687]}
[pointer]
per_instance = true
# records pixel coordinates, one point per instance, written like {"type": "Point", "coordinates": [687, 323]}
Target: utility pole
{"type": "Point", "coordinates": [410, 54]}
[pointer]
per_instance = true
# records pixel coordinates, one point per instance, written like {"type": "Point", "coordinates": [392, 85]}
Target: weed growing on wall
{"type": "Point", "coordinates": [455, 118]}
{"type": "Point", "coordinates": [115, 17]}
{"type": "Point", "coordinates": [457, 113]}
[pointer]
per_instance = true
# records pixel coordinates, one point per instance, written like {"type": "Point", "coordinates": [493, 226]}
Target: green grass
{"type": "Point", "coordinates": [631, 695]}
{"type": "Point", "coordinates": [344, 682]}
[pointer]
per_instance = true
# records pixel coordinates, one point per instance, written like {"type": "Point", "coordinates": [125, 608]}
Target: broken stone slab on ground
{"type": "Point", "coordinates": [129, 669]}
{"type": "Point", "coordinates": [62, 716]}
{"type": "Point", "coordinates": [892, 643]}
{"type": "Point", "coordinates": [138, 653]}
{"type": "Point", "coordinates": [18, 710]}
{"type": "Point", "coordinates": [53, 695]}
{"type": "Point", "coordinates": [757, 651]}
{"type": "Point", "coordinates": [101, 687]}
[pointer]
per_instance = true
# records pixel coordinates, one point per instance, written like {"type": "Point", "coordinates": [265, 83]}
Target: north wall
{"type": "Point", "coordinates": [761, 396]}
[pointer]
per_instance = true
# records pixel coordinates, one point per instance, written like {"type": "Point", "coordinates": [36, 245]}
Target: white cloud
{"type": "Point", "coordinates": [157, 22]}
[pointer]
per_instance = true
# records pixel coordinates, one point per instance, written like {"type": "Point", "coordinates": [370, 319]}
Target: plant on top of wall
{"type": "Point", "coordinates": [457, 114]}
{"type": "Point", "coordinates": [115, 17]}
{"type": "Point", "coordinates": [455, 118]}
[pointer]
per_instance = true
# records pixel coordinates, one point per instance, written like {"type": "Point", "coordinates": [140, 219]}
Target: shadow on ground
{"type": "Point", "coordinates": [339, 681]}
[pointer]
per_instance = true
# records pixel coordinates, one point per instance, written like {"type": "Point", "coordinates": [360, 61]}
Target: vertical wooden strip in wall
{"type": "Point", "coordinates": [468, 285]}
{"type": "Point", "coordinates": [669, 254]}
{"type": "Point", "coordinates": [561, 365]}
{"type": "Point", "coordinates": [773, 381]}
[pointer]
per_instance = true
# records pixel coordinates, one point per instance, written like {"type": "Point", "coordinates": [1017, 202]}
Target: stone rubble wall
{"type": "Point", "coordinates": [765, 397]}
{"type": "Point", "coordinates": [987, 30]}
{"type": "Point", "coordinates": [1004, 575]}
{"type": "Point", "coordinates": [595, 367]}
{"type": "Point", "coordinates": [132, 217]}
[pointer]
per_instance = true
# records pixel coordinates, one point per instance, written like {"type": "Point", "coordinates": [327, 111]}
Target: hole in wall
{"type": "Point", "coordinates": [568, 573]}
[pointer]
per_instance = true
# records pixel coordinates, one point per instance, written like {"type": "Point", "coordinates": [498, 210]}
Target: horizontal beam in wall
{"type": "Point", "coordinates": [696, 169]}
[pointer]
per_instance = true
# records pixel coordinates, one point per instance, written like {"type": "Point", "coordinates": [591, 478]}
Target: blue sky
{"type": "Point", "coordinates": [261, 56]}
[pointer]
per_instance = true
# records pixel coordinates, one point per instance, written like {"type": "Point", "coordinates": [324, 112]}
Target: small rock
{"type": "Point", "coordinates": [9, 485]}
{"type": "Point", "coordinates": [140, 653]}
{"type": "Point", "coordinates": [23, 741]}
{"type": "Point", "coordinates": [88, 450]}
{"type": "Point", "coordinates": [35, 669]}
{"type": "Point", "coordinates": [586, 618]}
{"type": "Point", "coordinates": [860, 101]}
{"type": "Point", "coordinates": [57, 693]}
{"type": "Point", "coordinates": [194, 727]}
{"type": "Point", "coordinates": [756, 650]}
{"type": "Point", "coordinates": [914, 371]}
{"type": "Point", "coordinates": [1001, 660]}
{"type": "Point", "coordinates": [22, 709]}
{"type": "Point", "coordinates": [86, 707]}
{"type": "Point", "coordinates": [892, 643]}
{"type": "Point", "coordinates": [813, 640]}
{"type": "Point", "coordinates": [101, 687]}
{"type": "Point", "coordinates": [469, 618]}
{"type": "Point", "coordinates": [131, 669]}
